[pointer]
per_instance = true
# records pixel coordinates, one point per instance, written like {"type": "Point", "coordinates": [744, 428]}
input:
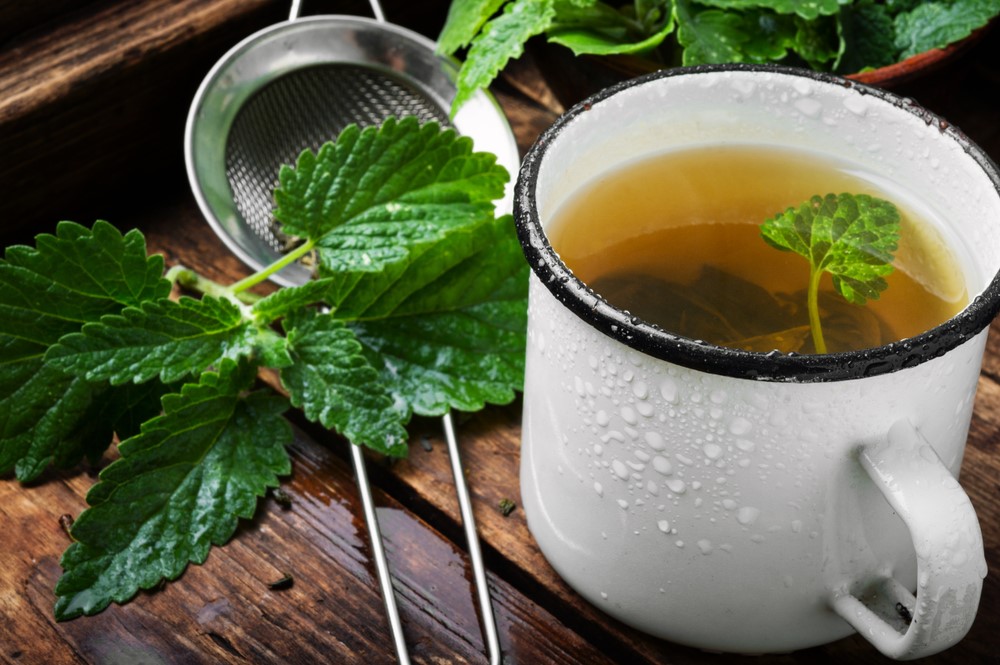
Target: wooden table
{"type": "Point", "coordinates": [91, 106]}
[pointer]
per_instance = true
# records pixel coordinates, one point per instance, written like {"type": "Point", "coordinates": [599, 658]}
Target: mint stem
{"type": "Point", "coordinates": [813, 303]}
{"type": "Point", "coordinates": [192, 281]}
{"type": "Point", "coordinates": [286, 260]}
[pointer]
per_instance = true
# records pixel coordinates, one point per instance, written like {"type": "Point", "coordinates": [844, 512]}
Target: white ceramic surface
{"type": "Point", "coordinates": [726, 500]}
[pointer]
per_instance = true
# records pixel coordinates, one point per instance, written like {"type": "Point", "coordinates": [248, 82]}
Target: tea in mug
{"type": "Point", "coordinates": [675, 240]}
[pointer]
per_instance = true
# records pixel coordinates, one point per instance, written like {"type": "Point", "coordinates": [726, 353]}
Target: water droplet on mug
{"type": "Point", "coordinates": [676, 485]}
{"type": "Point", "coordinates": [668, 389]}
{"type": "Point", "coordinates": [705, 546]}
{"type": "Point", "coordinates": [663, 465]}
{"type": "Point", "coordinates": [620, 470]}
{"type": "Point", "coordinates": [740, 426]}
{"type": "Point", "coordinates": [747, 516]}
{"type": "Point", "coordinates": [599, 489]}
{"type": "Point", "coordinates": [712, 451]}
{"type": "Point", "coordinates": [664, 526]}
{"type": "Point", "coordinates": [655, 441]}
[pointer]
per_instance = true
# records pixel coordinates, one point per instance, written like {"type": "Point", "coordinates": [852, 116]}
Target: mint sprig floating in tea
{"type": "Point", "coordinates": [419, 306]}
{"type": "Point", "coordinates": [852, 237]}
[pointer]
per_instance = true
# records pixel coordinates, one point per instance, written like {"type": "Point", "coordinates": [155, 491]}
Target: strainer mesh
{"type": "Point", "coordinates": [304, 109]}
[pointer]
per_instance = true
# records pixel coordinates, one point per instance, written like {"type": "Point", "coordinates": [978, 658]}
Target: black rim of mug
{"type": "Point", "coordinates": [695, 354]}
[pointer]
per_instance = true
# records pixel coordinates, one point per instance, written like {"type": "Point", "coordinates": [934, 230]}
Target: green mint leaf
{"type": "Point", "coordinates": [362, 199]}
{"type": "Point", "coordinates": [869, 37]}
{"type": "Point", "coordinates": [465, 19]}
{"type": "Point", "coordinates": [334, 384]}
{"type": "Point", "coordinates": [852, 237]}
{"type": "Point", "coordinates": [456, 271]}
{"type": "Point", "coordinates": [807, 9]}
{"type": "Point", "coordinates": [180, 487]}
{"type": "Point", "coordinates": [68, 279]}
{"type": "Point", "coordinates": [162, 338]}
{"type": "Point", "coordinates": [458, 359]}
{"type": "Point", "coordinates": [820, 43]}
{"type": "Point", "coordinates": [456, 341]}
{"type": "Point", "coordinates": [500, 40]}
{"type": "Point", "coordinates": [710, 35]}
{"type": "Point", "coordinates": [40, 410]}
{"type": "Point", "coordinates": [769, 35]}
{"type": "Point", "coordinates": [938, 24]}
{"type": "Point", "coordinates": [599, 29]}
{"type": "Point", "coordinates": [290, 299]}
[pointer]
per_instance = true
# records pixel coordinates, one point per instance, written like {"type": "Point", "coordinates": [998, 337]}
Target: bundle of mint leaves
{"type": "Point", "coordinates": [842, 36]}
{"type": "Point", "coordinates": [418, 307]}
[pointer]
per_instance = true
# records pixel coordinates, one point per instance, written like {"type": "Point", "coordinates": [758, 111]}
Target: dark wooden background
{"type": "Point", "coordinates": [93, 96]}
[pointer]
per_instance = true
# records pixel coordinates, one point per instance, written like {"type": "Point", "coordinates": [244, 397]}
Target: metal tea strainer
{"type": "Point", "coordinates": [296, 85]}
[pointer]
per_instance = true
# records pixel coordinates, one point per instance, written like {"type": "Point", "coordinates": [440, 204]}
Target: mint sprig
{"type": "Point", "coordinates": [418, 307]}
{"type": "Point", "coordinates": [852, 237]}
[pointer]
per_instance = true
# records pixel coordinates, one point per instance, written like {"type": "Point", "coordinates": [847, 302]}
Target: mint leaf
{"type": "Point", "coordinates": [807, 9]}
{"type": "Point", "coordinates": [39, 412]}
{"type": "Point", "coordinates": [334, 384]}
{"type": "Point", "coordinates": [869, 37]}
{"type": "Point", "coordinates": [290, 299]}
{"type": "Point", "coordinates": [179, 488]}
{"type": "Point", "coordinates": [457, 341]}
{"type": "Point", "coordinates": [465, 18]}
{"type": "Point", "coordinates": [600, 29]}
{"type": "Point", "coordinates": [362, 199]}
{"type": "Point", "coordinates": [769, 36]}
{"type": "Point", "coordinates": [444, 331]}
{"type": "Point", "coordinates": [162, 338]}
{"type": "Point", "coordinates": [710, 35]}
{"type": "Point", "coordinates": [500, 40]}
{"type": "Point", "coordinates": [938, 24]}
{"type": "Point", "coordinates": [457, 359]}
{"type": "Point", "coordinates": [820, 43]}
{"type": "Point", "coordinates": [70, 278]}
{"type": "Point", "coordinates": [852, 237]}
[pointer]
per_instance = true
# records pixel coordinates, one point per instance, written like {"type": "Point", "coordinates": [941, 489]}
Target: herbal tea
{"type": "Point", "coordinates": [677, 241]}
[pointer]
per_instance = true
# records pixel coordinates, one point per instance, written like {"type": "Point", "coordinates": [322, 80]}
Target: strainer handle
{"type": "Point", "coordinates": [296, 10]}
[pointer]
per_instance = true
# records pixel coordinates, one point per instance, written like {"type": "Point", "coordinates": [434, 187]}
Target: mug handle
{"type": "Point", "coordinates": [948, 542]}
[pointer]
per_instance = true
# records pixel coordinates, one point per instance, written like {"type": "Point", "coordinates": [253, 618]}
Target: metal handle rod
{"type": "Point", "coordinates": [489, 624]}
{"type": "Point", "coordinates": [378, 551]}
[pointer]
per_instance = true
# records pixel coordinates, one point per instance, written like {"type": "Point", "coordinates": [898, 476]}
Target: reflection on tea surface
{"type": "Point", "coordinates": [675, 240]}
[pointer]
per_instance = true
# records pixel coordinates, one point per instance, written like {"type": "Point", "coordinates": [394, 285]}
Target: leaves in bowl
{"type": "Point", "coordinates": [843, 36]}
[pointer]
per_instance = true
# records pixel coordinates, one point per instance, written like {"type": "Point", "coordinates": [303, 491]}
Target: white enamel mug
{"type": "Point", "coordinates": [749, 502]}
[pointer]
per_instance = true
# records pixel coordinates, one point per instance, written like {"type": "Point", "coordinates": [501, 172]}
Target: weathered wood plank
{"type": "Point", "coordinates": [224, 611]}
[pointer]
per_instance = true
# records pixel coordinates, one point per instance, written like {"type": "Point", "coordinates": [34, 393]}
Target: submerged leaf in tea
{"type": "Point", "coordinates": [851, 237]}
